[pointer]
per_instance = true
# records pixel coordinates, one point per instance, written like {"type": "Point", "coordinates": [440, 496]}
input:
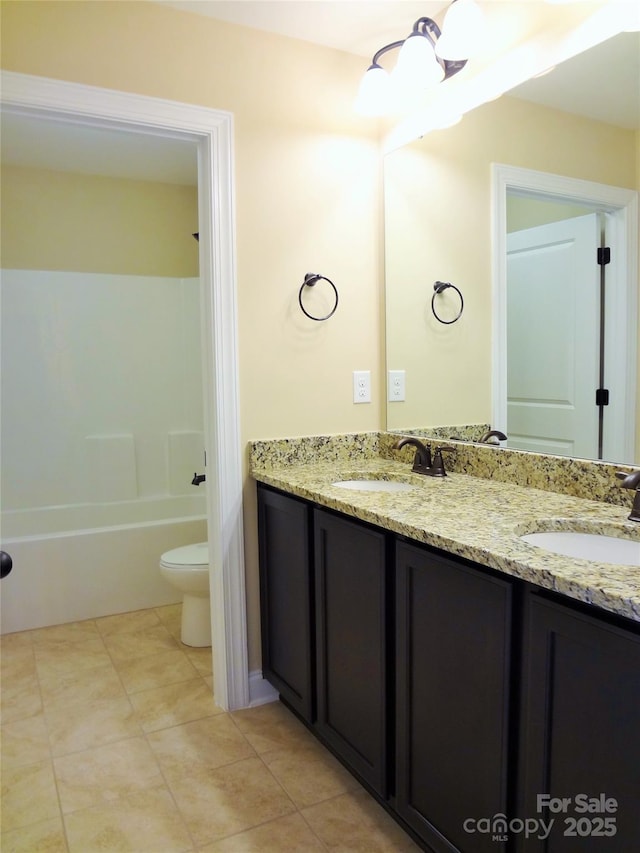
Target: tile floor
{"type": "Point", "coordinates": [111, 741]}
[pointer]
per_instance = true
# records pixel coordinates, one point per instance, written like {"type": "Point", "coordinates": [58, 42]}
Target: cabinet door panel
{"type": "Point", "coordinates": [452, 686]}
{"type": "Point", "coordinates": [351, 643]}
{"type": "Point", "coordinates": [286, 598]}
{"type": "Point", "coordinates": [581, 727]}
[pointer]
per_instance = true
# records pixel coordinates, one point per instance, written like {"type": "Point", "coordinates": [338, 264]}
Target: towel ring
{"type": "Point", "coordinates": [439, 287]}
{"type": "Point", "coordinates": [310, 280]}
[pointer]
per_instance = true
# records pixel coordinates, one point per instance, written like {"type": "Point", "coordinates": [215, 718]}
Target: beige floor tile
{"type": "Point", "coordinates": [130, 645]}
{"type": "Point", "coordinates": [355, 822]}
{"type": "Point", "coordinates": [28, 795]}
{"type": "Point", "coordinates": [200, 658]}
{"type": "Point", "coordinates": [17, 640]}
{"type": "Point", "coordinates": [91, 725]}
{"type": "Point", "coordinates": [17, 661]}
{"type": "Point", "coordinates": [200, 745]}
{"type": "Point", "coordinates": [25, 741]}
{"type": "Point", "coordinates": [288, 834]}
{"type": "Point", "coordinates": [272, 726]}
{"type": "Point", "coordinates": [171, 618]}
{"type": "Point", "coordinates": [61, 657]}
{"type": "Point", "coordinates": [156, 671]}
{"type": "Point", "coordinates": [126, 623]}
{"type": "Point", "coordinates": [46, 836]}
{"type": "Point", "coordinates": [69, 632]}
{"type": "Point", "coordinates": [145, 822]}
{"type": "Point", "coordinates": [108, 773]}
{"type": "Point", "coordinates": [173, 704]}
{"type": "Point", "coordinates": [309, 774]}
{"type": "Point", "coordinates": [20, 696]}
{"type": "Point", "coordinates": [66, 689]}
{"type": "Point", "coordinates": [228, 800]}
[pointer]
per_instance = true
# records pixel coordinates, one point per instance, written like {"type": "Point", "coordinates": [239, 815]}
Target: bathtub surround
{"type": "Point", "coordinates": [101, 432]}
{"type": "Point", "coordinates": [102, 388]}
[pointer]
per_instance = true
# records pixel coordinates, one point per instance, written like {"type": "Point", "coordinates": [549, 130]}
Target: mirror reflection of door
{"type": "Point", "coordinates": [558, 356]}
{"type": "Point", "coordinates": [553, 337]}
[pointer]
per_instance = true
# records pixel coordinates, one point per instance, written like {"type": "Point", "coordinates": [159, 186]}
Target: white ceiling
{"type": "Point", "coordinates": [603, 83]}
{"type": "Point", "coordinates": [355, 26]}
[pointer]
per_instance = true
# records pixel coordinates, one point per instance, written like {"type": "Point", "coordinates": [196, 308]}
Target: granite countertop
{"type": "Point", "coordinates": [478, 519]}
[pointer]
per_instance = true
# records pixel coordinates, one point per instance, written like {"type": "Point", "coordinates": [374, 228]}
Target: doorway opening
{"type": "Point", "coordinates": [211, 131]}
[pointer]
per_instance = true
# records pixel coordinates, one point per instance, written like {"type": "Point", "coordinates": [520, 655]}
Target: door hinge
{"type": "Point", "coordinates": [604, 256]}
{"type": "Point", "coordinates": [602, 396]}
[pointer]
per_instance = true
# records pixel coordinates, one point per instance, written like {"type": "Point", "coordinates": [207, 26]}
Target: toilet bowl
{"type": "Point", "coordinates": [187, 569]}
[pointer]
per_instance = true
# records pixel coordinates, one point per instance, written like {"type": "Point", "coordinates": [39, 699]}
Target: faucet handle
{"type": "Point", "coordinates": [629, 480]}
{"type": "Point", "coordinates": [437, 469]}
{"type": "Point", "coordinates": [632, 481]}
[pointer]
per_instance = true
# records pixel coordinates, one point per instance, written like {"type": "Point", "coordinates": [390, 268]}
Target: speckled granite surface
{"type": "Point", "coordinates": [580, 478]}
{"type": "Point", "coordinates": [475, 517]}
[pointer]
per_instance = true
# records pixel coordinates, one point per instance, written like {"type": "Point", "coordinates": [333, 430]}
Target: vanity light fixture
{"type": "Point", "coordinates": [427, 56]}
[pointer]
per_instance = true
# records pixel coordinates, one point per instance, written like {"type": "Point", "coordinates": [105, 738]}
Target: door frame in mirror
{"type": "Point", "coordinates": [212, 130]}
{"type": "Point", "coordinates": [622, 204]}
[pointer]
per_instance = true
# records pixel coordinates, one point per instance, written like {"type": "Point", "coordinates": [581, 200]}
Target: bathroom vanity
{"type": "Point", "coordinates": [478, 686]}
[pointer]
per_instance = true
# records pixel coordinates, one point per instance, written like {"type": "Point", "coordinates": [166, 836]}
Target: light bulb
{"type": "Point", "coordinates": [417, 65]}
{"type": "Point", "coordinates": [374, 95]}
{"type": "Point", "coordinates": [462, 31]}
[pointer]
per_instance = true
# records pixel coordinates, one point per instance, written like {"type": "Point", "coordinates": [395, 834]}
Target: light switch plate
{"type": "Point", "coordinates": [361, 386]}
{"type": "Point", "coordinates": [396, 386]}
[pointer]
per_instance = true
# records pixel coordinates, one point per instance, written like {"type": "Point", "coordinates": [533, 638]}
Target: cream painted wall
{"type": "Point", "coordinates": [308, 197]}
{"type": "Point", "coordinates": [89, 223]}
{"type": "Point", "coordinates": [438, 227]}
{"type": "Point", "coordinates": [529, 212]}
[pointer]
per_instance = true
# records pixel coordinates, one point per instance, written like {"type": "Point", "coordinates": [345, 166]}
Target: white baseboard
{"type": "Point", "coordinates": [260, 691]}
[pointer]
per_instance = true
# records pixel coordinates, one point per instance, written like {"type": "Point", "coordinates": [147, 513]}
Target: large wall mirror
{"type": "Point", "coordinates": [440, 225]}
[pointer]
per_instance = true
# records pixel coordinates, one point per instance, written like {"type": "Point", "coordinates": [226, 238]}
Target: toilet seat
{"type": "Point", "coordinates": [187, 558]}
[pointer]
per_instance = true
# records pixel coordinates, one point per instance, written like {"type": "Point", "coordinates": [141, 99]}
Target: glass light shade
{"type": "Point", "coordinates": [462, 31]}
{"type": "Point", "coordinates": [374, 95]}
{"type": "Point", "coordinates": [417, 65]}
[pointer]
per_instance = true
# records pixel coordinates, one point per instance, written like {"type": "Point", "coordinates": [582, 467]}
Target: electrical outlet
{"type": "Point", "coordinates": [361, 386]}
{"type": "Point", "coordinates": [396, 386]}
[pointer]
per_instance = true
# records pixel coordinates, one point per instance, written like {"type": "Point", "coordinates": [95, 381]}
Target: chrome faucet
{"type": "Point", "coordinates": [422, 463]}
{"type": "Point", "coordinates": [631, 481]}
{"type": "Point", "coordinates": [492, 433]}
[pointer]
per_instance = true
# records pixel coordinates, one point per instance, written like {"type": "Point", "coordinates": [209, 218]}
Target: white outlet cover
{"type": "Point", "coordinates": [396, 386]}
{"type": "Point", "coordinates": [361, 386]}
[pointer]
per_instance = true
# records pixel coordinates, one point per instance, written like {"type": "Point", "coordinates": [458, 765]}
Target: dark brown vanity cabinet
{"type": "Point", "coordinates": [324, 613]}
{"type": "Point", "coordinates": [286, 598]}
{"type": "Point", "coordinates": [458, 695]}
{"type": "Point", "coordinates": [580, 730]}
{"type": "Point", "coordinates": [352, 643]}
{"type": "Point", "coordinates": [453, 662]}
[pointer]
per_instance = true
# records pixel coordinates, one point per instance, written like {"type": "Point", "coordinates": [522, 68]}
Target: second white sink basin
{"type": "Point", "coordinates": [374, 485]}
{"type": "Point", "coordinates": [588, 546]}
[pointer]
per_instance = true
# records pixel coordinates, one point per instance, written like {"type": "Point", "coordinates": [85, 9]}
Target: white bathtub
{"type": "Point", "coordinates": [81, 562]}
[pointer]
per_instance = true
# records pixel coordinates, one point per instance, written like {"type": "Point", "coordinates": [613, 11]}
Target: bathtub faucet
{"type": "Point", "coordinates": [198, 478]}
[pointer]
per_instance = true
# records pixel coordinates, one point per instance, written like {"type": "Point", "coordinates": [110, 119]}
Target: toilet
{"type": "Point", "coordinates": [187, 569]}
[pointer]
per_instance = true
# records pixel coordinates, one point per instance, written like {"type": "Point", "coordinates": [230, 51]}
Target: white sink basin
{"type": "Point", "coordinates": [587, 546]}
{"type": "Point", "coordinates": [374, 485]}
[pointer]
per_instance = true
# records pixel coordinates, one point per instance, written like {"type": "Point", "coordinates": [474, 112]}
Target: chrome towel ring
{"type": "Point", "coordinates": [310, 280]}
{"type": "Point", "coordinates": [439, 287]}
